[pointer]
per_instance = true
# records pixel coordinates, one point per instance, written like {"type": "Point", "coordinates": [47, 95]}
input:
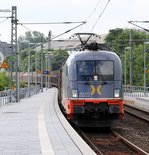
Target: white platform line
{"type": "Point", "coordinates": [46, 147]}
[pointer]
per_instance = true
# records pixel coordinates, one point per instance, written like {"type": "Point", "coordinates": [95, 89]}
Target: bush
{"type": "Point", "coordinates": [4, 81]}
{"type": "Point", "coordinates": [22, 84]}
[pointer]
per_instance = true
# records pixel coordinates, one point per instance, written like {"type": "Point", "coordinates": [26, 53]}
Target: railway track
{"type": "Point", "coordinates": [110, 143]}
{"type": "Point", "coordinates": [135, 126]}
{"type": "Point", "coordinates": [130, 138]}
{"type": "Point", "coordinates": [113, 143]}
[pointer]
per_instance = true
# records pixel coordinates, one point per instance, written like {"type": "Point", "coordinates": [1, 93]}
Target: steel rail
{"type": "Point", "coordinates": [87, 140]}
{"type": "Point", "coordinates": [134, 147]}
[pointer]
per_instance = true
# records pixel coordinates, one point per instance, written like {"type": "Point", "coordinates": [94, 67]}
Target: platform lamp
{"type": "Point", "coordinates": [28, 77]}
{"type": "Point", "coordinates": [145, 67]}
{"type": "Point", "coordinates": [125, 74]}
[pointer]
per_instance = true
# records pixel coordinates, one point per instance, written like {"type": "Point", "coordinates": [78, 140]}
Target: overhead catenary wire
{"type": "Point", "coordinates": [100, 15]}
{"type": "Point", "coordinates": [69, 30]}
{"type": "Point", "coordinates": [25, 27]}
{"type": "Point", "coordinates": [43, 23]}
{"type": "Point", "coordinates": [93, 10]}
{"type": "Point", "coordinates": [56, 36]}
{"type": "Point", "coordinates": [3, 20]}
{"type": "Point", "coordinates": [139, 21]}
{"type": "Point", "coordinates": [4, 17]}
{"type": "Point", "coordinates": [82, 23]}
{"type": "Point", "coordinates": [132, 22]}
{"type": "Point", "coordinates": [22, 24]}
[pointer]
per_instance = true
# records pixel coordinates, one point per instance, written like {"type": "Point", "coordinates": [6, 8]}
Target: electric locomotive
{"type": "Point", "coordinates": [91, 87]}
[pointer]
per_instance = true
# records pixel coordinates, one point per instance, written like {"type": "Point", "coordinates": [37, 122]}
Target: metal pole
{"type": "Point", "coordinates": [41, 67]}
{"type": "Point", "coordinates": [144, 68]}
{"type": "Point", "coordinates": [125, 69]}
{"type": "Point", "coordinates": [49, 69]}
{"type": "Point", "coordinates": [49, 59]}
{"type": "Point", "coordinates": [28, 70]}
{"type": "Point", "coordinates": [46, 71]}
{"type": "Point", "coordinates": [14, 48]}
{"type": "Point", "coordinates": [35, 74]}
{"type": "Point", "coordinates": [18, 75]}
{"type": "Point", "coordinates": [131, 71]}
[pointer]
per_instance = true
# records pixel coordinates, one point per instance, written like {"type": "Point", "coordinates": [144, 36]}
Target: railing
{"type": "Point", "coordinates": [136, 91]}
{"type": "Point", "coordinates": [8, 96]}
{"type": "Point", "coordinates": [5, 97]}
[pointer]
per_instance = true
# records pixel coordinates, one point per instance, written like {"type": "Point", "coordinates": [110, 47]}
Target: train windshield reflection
{"type": "Point", "coordinates": [87, 69]}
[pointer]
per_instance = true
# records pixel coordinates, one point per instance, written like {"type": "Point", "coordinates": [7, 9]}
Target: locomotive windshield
{"type": "Point", "coordinates": [102, 69]}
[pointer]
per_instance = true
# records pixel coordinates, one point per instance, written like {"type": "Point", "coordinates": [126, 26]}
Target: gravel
{"type": "Point", "coordinates": [135, 130]}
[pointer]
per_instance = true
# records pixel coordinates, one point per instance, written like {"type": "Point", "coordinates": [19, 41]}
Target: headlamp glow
{"type": "Point", "coordinates": [116, 93]}
{"type": "Point", "coordinates": [74, 93]}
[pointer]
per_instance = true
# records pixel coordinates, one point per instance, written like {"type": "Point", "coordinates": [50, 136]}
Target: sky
{"type": "Point", "coordinates": [116, 15]}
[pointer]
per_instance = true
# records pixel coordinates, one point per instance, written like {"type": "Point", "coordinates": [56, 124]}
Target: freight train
{"type": "Point", "coordinates": [90, 87]}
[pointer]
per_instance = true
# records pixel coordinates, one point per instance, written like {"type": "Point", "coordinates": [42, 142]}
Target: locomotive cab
{"type": "Point", "coordinates": [92, 88]}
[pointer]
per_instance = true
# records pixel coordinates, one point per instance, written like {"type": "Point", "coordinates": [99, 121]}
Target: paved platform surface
{"type": "Point", "coordinates": [139, 102]}
{"type": "Point", "coordinates": [35, 126]}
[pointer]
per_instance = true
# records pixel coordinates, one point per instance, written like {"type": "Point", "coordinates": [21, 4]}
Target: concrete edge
{"type": "Point", "coordinates": [79, 142]}
{"type": "Point", "coordinates": [135, 103]}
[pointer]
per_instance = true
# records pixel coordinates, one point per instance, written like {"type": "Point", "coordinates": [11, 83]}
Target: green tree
{"type": "Point", "coordinates": [119, 40]}
{"type": "Point", "coordinates": [33, 38]}
{"type": "Point", "coordinates": [4, 81]}
{"type": "Point", "coordinates": [58, 57]}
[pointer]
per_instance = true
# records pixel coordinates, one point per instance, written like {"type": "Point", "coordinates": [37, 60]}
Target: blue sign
{"type": "Point", "coordinates": [46, 72]}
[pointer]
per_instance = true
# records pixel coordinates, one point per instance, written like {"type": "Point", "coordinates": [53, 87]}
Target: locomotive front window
{"type": "Point", "coordinates": [104, 70]}
{"type": "Point", "coordinates": [86, 70]}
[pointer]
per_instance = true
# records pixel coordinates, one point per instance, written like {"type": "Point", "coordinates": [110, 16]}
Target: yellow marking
{"type": "Point", "coordinates": [93, 89]}
{"type": "Point", "coordinates": [99, 90]}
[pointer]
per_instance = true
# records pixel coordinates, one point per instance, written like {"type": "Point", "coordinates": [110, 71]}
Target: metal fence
{"type": "Point", "coordinates": [8, 96]}
{"type": "Point", "coordinates": [136, 91]}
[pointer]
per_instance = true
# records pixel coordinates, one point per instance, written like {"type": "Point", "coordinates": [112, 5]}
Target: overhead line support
{"type": "Point", "coordinates": [14, 52]}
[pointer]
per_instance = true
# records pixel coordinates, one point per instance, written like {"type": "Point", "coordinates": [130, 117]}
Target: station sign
{"type": "Point", "coordinates": [147, 71]}
{"type": "Point", "coordinates": [13, 87]}
{"type": "Point", "coordinates": [46, 72]}
{"type": "Point", "coordinates": [39, 71]}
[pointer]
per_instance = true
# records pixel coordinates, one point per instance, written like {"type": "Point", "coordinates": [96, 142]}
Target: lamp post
{"type": "Point", "coordinates": [28, 77]}
{"type": "Point", "coordinates": [125, 69]}
{"type": "Point", "coordinates": [35, 73]}
{"type": "Point", "coordinates": [35, 66]}
{"type": "Point", "coordinates": [131, 59]}
{"type": "Point", "coordinates": [28, 69]}
{"type": "Point", "coordinates": [41, 67]}
{"type": "Point", "coordinates": [47, 67]}
{"type": "Point", "coordinates": [29, 63]}
{"type": "Point", "coordinates": [145, 68]}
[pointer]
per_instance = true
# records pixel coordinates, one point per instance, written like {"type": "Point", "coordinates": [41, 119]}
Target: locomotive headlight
{"type": "Point", "coordinates": [74, 93]}
{"type": "Point", "coordinates": [116, 93]}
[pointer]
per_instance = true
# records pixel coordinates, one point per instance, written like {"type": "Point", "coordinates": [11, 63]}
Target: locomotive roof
{"type": "Point", "coordinates": [93, 55]}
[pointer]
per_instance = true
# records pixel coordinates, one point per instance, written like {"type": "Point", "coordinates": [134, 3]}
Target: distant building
{"type": "Point", "coordinates": [69, 44]}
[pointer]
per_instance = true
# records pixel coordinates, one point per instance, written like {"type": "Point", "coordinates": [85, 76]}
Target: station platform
{"type": "Point", "coordinates": [36, 126]}
{"type": "Point", "coordinates": [138, 102]}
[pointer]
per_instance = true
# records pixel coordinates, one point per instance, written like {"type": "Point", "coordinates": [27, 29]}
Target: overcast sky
{"type": "Point", "coordinates": [116, 15]}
